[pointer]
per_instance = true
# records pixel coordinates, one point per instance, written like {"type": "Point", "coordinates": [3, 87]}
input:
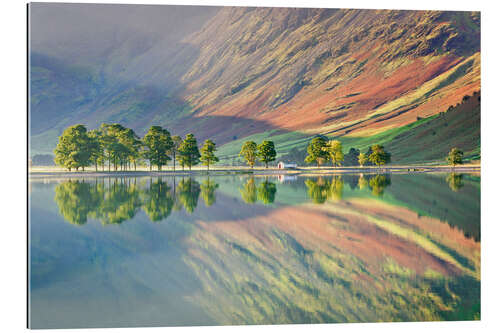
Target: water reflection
{"type": "Point", "coordinates": [350, 248]}
{"type": "Point", "coordinates": [455, 181]}
{"type": "Point", "coordinates": [115, 200]}
{"type": "Point", "coordinates": [379, 183]}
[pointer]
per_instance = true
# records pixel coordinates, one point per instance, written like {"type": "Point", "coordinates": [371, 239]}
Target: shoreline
{"type": "Point", "coordinates": [301, 171]}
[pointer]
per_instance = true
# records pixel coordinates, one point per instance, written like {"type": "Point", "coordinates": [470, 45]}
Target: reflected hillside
{"type": "Point", "coordinates": [254, 250]}
{"type": "Point", "coordinates": [348, 261]}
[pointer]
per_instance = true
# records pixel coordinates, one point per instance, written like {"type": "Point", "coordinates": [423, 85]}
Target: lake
{"type": "Point", "coordinates": [240, 249]}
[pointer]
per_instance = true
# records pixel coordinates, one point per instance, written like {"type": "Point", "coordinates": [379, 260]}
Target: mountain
{"type": "Point", "coordinates": [236, 73]}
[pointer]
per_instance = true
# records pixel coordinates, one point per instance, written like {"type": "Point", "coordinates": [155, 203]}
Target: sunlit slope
{"type": "Point", "coordinates": [431, 139]}
{"type": "Point", "coordinates": [253, 72]}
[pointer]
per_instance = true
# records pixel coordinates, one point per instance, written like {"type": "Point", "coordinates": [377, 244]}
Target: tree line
{"type": "Point", "coordinates": [120, 147]}
{"type": "Point", "coordinates": [319, 151]}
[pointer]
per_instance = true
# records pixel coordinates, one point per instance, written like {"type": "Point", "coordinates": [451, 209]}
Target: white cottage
{"type": "Point", "coordinates": [283, 165]}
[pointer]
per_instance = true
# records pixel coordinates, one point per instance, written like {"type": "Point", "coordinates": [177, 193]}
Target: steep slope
{"type": "Point", "coordinates": [282, 73]}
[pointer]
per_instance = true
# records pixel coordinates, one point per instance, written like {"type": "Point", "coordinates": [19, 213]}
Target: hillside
{"type": "Point", "coordinates": [234, 73]}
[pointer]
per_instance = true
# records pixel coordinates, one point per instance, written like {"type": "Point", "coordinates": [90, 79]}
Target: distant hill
{"type": "Point", "coordinates": [234, 73]}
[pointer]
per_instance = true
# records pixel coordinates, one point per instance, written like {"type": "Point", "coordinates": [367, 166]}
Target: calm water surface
{"type": "Point", "coordinates": [114, 252]}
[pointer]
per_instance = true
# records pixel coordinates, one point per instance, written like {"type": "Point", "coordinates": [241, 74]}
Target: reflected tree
{"type": "Point", "coordinates": [323, 189]}
{"type": "Point", "coordinates": [157, 200]}
{"type": "Point", "coordinates": [336, 188]}
{"type": "Point", "coordinates": [455, 181]}
{"type": "Point", "coordinates": [188, 192]}
{"type": "Point", "coordinates": [208, 188]}
{"type": "Point", "coordinates": [266, 192]}
{"type": "Point", "coordinates": [362, 182]}
{"type": "Point", "coordinates": [379, 183]}
{"type": "Point", "coordinates": [120, 202]}
{"type": "Point", "coordinates": [249, 191]}
{"type": "Point", "coordinates": [76, 200]}
{"type": "Point", "coordinates": [317, 190]}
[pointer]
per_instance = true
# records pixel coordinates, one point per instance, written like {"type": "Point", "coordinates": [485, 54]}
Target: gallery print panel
{"type": "Point", "coordinates": [196, 166]}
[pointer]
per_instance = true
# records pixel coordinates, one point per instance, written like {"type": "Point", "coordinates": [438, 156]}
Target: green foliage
{"type": "Point", "coordinates": [351, 158]}
{"type": "Point", "coordinates": [322, 189]}
{"type": "Point", "coordinates": [157, 200]}
{"type": "Point", "coordinates": [362, 159]}
{"type": "Point", "coordinates": [379, 156]}
{"type": "Point", "coordinates": [76, 200]}
{"type": "Point", "coordinates": [176, 140]}
{"type": "Point", "coordinates": [158, 143]}
{"type": "Point", "coordinates": [118, 200]}
{"type": "Point", "coordinates": [266, 192]}
{"type": "Point", "coordinates": [266, 152]}
{"type": "Point", "coordinates": [208, 188]}
{"type": "Point", "coordinates": [249, 191]}
{"type": "Point", "coordinates": [249, 152]}
{"type": "Point", "coordinates": [208, 153]}
{"type": "Point", "coordinates": [188, 192]}
{"type": "Point", "coordinates": [378, 184]}
{"type": "Point", "coordinates": [188, 152]}
{"type": "Point", "coordinates": [75, 148]}
{"type": "Point", "coordinates": [455, 156]}
{"type": "Point", "coordinates": [455, 181]}
{"type": "Point", "coordinates": [334, 150]}
{"type": "Point", "coordinates": [317, 152]}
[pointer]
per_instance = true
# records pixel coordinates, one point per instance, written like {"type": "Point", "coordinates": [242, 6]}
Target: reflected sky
{"type": "Point", "coordinates": [168, 251]}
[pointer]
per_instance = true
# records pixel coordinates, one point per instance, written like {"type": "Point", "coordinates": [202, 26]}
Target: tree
{"type": "Point", "coordinates": [189, 192]}
{"type": "Point", "coordinates": [379, 156]}
{"type": "Point", "coordinates": [133, 146]}
{"type": "Point", "coordinates": [75, 200]}
{"type": "Point", "coordinates": [351, 158]}
{"type": "Point", "coordinates": [74, 148]}
{"type": "Point", "coordinates": [158, 143]}
{"type": "Point", "coordinates": [208, 188]}
{"type": "Point", "coordinates": [266, 152]}
{"type": "Point", "coordinates": [266, 192]}
{"type": "Point", "coordinates": [157, 201]}
{"type": "Point", "coordinates": [177, 140]}
{"type": "Point", "coordinates": [316, 151]}
{"type": "Point", "coordinates": [334, 150]}
{"type": "Point", "coordinates": [112, 141]}
{"type": "Point", "coordinates": [362, 182]}
{"type": "Point", "coordinates": [189, 154]}
{"type": "Point", "coordinates": [362, 159]}
{"type": "Point", "coordinates": [317, 190]}
{"type": "Point", "coordinates": [455, 181]}
{"type": "Point", "coordinates": [336, 188]}
{"type": "Point", "coordinates": [378, 184]}
{"type": "Point", "coordinates": [455, 156]}
{"type": "Point", "coordinates": [249, 191]}
{"type": "Point", "coordinates": [249, 152]}
{"type": "Point", "coordinates": [96, 154]}
{"type": "Point", "coordinates": [208, 153]}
